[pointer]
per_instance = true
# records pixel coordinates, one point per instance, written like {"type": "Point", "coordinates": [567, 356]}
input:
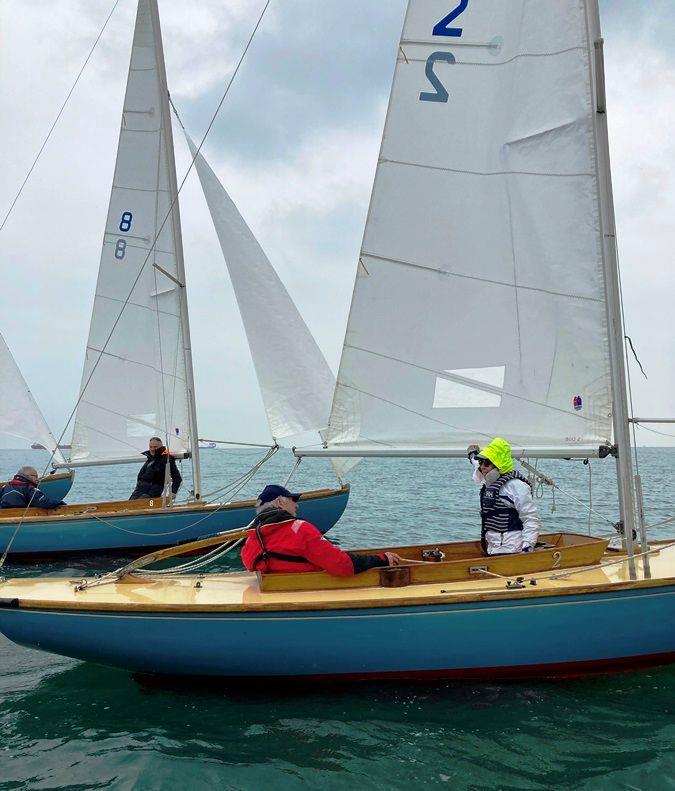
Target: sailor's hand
{"type": "Point", "coordinates": [394, 559]}
{"type": "Point", "coordinates": [473, 449]}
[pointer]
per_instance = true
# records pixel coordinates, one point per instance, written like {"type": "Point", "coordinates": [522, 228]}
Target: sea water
{"type": "Point", "coordinates": [71, 725]}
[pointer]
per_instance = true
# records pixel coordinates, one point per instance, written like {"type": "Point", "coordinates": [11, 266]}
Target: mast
{"type": "Point", "coordinates": [180, 264]}
{"type": "Point", "coordinates": [620, 415]}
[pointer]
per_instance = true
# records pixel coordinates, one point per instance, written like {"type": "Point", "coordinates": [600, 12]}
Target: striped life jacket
{"type": "Point", "coordinates": [497, 511]}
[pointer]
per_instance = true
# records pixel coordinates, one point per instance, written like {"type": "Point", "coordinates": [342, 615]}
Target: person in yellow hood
{"type": "Point", "coordinates": [510, 520]}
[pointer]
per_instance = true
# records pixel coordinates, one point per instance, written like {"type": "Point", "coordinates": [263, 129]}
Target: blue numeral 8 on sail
{"type": "Point", "coordinates": [120, 249]}
{"type": "Point", "coordinates": [125, 222]}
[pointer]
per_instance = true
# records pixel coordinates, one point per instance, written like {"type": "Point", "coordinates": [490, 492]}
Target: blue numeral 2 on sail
{"type": "Point", "coordinates": [442, 29]}
{"type": "Point", "coordinates": [441, 94]}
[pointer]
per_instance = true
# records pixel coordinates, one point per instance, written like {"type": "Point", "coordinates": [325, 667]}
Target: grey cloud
{"type": "Point", "coordinates": [319, 65]}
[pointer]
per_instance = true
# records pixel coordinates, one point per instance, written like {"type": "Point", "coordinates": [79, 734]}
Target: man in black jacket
{"type": "Point", "coordinates": [151, 478]}
{"type": "Point", "coordinates": [22, 491]}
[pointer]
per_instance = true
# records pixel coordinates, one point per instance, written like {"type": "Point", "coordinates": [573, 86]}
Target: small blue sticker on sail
{"type": "Point", "coordinates": [578, 403]}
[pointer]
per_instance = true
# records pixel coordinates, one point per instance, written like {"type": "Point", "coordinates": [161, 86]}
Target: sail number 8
{"type": "Point", "coordinates": [440, 93]}
{"type": "Point", "coordinates": [125, 226]}
{"type": "Point", "coordinates": [125, 221]}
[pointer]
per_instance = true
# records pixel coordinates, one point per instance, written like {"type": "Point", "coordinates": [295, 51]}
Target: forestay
{"type": "Point", "coordinates": [295, 380]}
{"type": "Point", "coordinates": [139, 382]}
{"type": "Point", "coordinates": [20, 416]}
{"type": "Point", "coordinates": [479, 303]}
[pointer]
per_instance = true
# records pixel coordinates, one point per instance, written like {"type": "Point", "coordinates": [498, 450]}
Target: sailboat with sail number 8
{"type": "Point", "coordinates": [137, 380]}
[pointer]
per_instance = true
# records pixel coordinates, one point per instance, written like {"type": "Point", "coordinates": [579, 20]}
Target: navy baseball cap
{"type": "Point", "coordinates": [273, 491]}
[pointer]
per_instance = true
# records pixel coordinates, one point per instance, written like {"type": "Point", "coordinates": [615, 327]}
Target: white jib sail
{"type": "Point", "coordinates": [137, 379]}
{"type": "Point", "coordinates": [295, 380]}
{"type": "Point", "coordinates": [479, 303]}
{"type": "Point", "coordinates": [20, 416]}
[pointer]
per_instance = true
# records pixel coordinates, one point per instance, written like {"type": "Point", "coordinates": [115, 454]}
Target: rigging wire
{"type": "Point", "coordinates": [147, 257]}
{"type": "Point", "coordinates": [654, 431]}
{"type": "Point", "coordinates": [550, 482]}
{"type": "Point", "coordinates": [58, 116]}
{"type": "Point", "coordinates": [240, 482]}
{"type": "Point", "coordinates": [161, 228]}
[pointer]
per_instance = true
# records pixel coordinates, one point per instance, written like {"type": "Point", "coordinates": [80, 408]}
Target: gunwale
{"type": "Point", "coordinates": [133, 508]}
{"type": "Point", "coordinates": [238, 592]}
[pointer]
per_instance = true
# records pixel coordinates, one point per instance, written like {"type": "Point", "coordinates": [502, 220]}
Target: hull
{"type": "Point", "coordinates": [538, 637]}
{"type": "Point", "coordinates": [122, 531]}
{"type": "Point", "coordinates": [55, 486]}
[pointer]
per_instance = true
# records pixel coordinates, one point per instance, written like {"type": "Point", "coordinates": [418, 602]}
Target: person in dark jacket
{"type": "Point", "coordinates": [23, 491]}
{"type": "Point", "coordinates": [151, 478]}
{"type": "Point", "coordinates": [280, 543]}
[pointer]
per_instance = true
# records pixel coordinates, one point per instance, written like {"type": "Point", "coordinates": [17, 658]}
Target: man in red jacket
{"type": "Point", "coordinates": [280, 543]}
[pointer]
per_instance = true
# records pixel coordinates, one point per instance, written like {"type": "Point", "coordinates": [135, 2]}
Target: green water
{"type": "Point", "coordinates": [73, 725]}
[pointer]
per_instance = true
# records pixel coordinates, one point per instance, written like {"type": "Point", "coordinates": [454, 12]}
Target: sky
{"type": "Point", "coordinates": [296, 145]}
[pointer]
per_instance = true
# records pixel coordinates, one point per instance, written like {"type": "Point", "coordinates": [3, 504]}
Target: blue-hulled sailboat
{"type": "Point", "coordinates": [21, 417]}
{"type": "Point", "coordinates": [486, 302]}
{"type": "Point", "coordinates": [137, 380]}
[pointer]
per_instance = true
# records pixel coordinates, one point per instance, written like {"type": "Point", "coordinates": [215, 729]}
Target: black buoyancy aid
{"type": "Point", "coordinates": [269, 518]}
{"type": "Point", "coordinates": [497, 511]}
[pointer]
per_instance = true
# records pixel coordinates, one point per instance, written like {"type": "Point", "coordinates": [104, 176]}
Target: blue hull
{"type": "Point", "coordinates": [146, 531]}
{"type": "Point", "coordinates": [57, 487]}
{"type": "Point", "coordinates": [540, 637]}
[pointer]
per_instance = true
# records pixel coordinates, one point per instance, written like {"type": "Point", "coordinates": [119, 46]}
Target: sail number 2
{"type": "Point", "coordinates": [442, 28]}
{"type": "Point", "coordinates": [125, 226]}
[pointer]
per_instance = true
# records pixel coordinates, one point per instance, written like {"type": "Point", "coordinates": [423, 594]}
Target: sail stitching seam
{"type": "Point", "coordinates": [126, 360]}
{"type": "Point", "coordinates": [476, 385]}
{"type": "Point", "coordinates": [448, 273]}
{"type": "Point", "coordinates": [490, 63]}
{"type": "Point", "coordinates": [423, 166]}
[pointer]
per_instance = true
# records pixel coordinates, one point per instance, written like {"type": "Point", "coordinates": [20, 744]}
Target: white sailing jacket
{"type": "Point", "coordinates": [521, 494]}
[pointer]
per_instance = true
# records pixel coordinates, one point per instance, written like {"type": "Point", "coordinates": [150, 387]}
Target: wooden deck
{"type": "Point", "coordinates": [240, 592]}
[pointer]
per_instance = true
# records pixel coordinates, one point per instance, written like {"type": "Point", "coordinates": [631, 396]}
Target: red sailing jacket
{"type": "Point", "coordinates": [299, 539]}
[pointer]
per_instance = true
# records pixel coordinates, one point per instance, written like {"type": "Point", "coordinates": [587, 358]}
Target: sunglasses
{"type": "Point", "coordinates": [484, 463]}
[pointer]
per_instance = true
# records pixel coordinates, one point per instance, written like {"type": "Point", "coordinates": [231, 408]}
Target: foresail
{"type": "Point", "coordinates": [295, 380]}
{"type": "Point", "coordinates": [135, 381]}
{"type": "Point", "coordinates": [479, 304]}
{"type": "Point", "coordinates": [20, 416]}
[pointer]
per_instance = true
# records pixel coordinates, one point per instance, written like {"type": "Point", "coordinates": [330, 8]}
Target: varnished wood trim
{"type": "Point", "coordinates": [457, 568]}
{"type": "Point", "coordinates": [438, 599]}
{"type": "Point", "coordinates": [9, 516]}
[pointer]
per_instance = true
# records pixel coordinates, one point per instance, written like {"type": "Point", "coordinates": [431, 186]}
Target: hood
{"type": "Point", "coordinates": [499, 453]}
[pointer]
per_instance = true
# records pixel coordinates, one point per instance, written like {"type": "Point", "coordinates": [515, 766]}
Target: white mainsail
{"type": "Point", "coordinates": [479, 303]}
{"type": "Point", "coordinates": [20, 415]}
{"type": "Point", "coordinates": [137, 379]}
{"type": "Point", "coordinates": [295, 380]}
